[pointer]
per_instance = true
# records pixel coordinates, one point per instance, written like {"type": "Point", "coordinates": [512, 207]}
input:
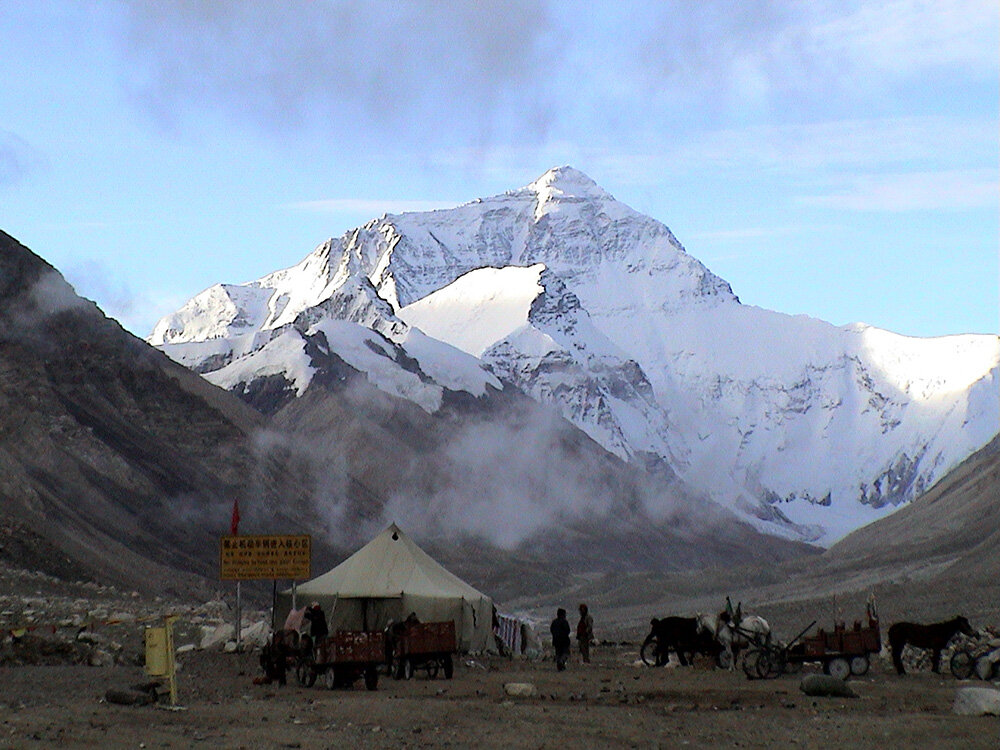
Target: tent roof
{"type": "Point", "coordinates": [389, 566]}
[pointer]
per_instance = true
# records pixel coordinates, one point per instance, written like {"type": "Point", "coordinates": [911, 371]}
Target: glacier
{"type": "Point", "coordinates": [807, 429]}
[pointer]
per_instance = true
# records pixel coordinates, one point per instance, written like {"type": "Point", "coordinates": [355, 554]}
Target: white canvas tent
{"type": "Point", "coordinates": [386, 580]}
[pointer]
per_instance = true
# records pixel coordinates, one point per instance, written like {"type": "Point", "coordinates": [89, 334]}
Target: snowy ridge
{"type": "Point", "coordinates": [808, 429]}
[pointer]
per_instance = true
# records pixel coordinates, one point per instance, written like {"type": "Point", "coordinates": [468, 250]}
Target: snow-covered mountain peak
{"type": "Point", "coordinates": [582, 302]}
{"type": "Point", "coordinates": [566, 183]}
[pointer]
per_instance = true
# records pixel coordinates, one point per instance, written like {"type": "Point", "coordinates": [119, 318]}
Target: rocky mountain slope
{"type": "Point", "coordinates": [116, 464]}
{"type": "Point", "coordinates": [804, 428]}
{"type": "Point", "coordinates": [120, 466]}
{"type": "Point", "coordinates": [929, 561]}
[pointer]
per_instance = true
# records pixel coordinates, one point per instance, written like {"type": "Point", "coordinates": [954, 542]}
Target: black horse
{"type": "Point", "coordinates": [677, 634]}
{"type": "Point", "coordinates": [934, 637]}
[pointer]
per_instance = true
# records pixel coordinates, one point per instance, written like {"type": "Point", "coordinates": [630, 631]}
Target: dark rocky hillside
{"type": "Point", "coordinates": [118, 465]}
{"type": "Point", "coordinates": [121, 465]}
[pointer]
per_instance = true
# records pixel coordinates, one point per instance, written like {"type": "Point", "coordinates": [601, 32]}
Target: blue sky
{"type": "Point", "coordinates": [837, 159]}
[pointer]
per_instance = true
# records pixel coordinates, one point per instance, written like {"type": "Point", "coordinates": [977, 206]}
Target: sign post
{"type": "Point", "coordinates": [160, 661]}
{"type": "Point", "coordinates": [234, 530]}
{"type": "Point", "coordinates": [264, 557]}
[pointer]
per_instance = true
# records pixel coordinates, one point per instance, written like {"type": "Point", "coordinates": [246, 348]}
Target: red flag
{"type": "Point", "coordinates": [234, 526]}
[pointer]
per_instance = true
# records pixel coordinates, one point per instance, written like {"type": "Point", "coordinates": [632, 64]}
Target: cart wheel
{"type": "Point", "coordinates": [859, 665]}
{"type": "Point", "coordinates": [648, 654]}
{"type": "Point", "coordinates": [985, 669]}
{"type": "Point", "coordinates": [371, 678]}
{"type": "Point", "coordinates": [330, 678]}
{"type": "Point", "coordinates": [305, 674]}
{"type": "Point", "coordinates": [838, 667]}
{"type": "Point", "coordinates": [432, 669]}
{"type": "Point", "coordinates": [751, 664]}
{"type": "Point", "coordinates": [775, 663]}
{"type": "Point", "coordinates": [407, 669]}
{"type": "Point", "coordinates": [449, 667]}
{"type": "Point", "coordinates": [962, 665]}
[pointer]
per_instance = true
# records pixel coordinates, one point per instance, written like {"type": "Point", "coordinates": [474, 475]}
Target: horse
{"type": "Point", "coordinates": [934, 637]}
{"type": "Point", "coordinates": [677, 634]}
{"type": "Point", "coordinates": [734, 633]}
{"type": "Point", "coordinates": [274, 657]}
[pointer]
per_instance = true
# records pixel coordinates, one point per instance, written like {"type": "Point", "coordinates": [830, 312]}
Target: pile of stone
{"type": "Point", "coordinates": [61, 647]}
{"type": "Point", "coordinates": [984, 640]}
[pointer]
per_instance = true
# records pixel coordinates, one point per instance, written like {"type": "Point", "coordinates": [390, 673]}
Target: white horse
{"type": "Point", "coordinates": [734, 634]}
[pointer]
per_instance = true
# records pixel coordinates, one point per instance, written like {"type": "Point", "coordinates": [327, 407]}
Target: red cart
{"type": "Point", "coordinates": [344, 657]}
{"type": "Point", "coordinates": [842, 651]}
{"type": "Point", "coordinates": [425, 645]}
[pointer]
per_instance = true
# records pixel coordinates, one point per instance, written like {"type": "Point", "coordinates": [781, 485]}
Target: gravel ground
{"type": "Point", "coordinates": [610, 703]}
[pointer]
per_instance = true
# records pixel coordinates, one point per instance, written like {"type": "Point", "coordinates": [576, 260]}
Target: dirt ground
{"type": "Point", "coordinates": [610, 703]}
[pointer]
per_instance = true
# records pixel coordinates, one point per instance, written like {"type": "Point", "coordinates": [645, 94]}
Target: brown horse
{"type": "Point", "coordinates": [934, 637]}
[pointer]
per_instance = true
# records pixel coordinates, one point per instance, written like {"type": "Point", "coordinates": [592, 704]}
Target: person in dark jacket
{"type": "Point", "coordinates": [318, 629]}
{"type": "Point", "coordinates": [585, 633]}
{"type": "Point", "coordinates": [560, 630]}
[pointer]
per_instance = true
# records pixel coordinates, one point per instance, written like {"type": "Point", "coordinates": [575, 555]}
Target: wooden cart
{"type": "Point", "coordinates": [344, 657]}
{"type": "Point", "coordinates": [842, 652]}
{"type": "Point", "coordinates": [425, 645]}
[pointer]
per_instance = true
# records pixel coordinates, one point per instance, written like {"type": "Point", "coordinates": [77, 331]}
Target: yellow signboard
{"type": "Point", "coordinates": [157, 652]}
{"type": "Point", "coordinates": [249, 558]}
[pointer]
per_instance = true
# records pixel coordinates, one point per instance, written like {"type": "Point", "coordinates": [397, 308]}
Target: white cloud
{"type": "Point", "coordinates": [137, 312]}
{"type": "Point", "coordinates": [842, 144]}
{"type": "Point", "coordinates": [759, 58]}
{"type": "Point", "coordinates": [920, 191]}
{"type": "Point", "coordinates": [806, 152]}
{"type": "Point", "coordinates": [413, 72]}
{"type": "Point", "coordinates": [907, 37]}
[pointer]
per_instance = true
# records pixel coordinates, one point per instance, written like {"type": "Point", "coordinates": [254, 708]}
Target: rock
{"type": "Point", "coordinates": [519, 689]}
{"type": "Point", "coordinates": [230, 647]}
{"type": "Point", "coordinates": [255, 634]}
{"type": "Point", "coordinates": [823, 685]}
{"type": "Point", "coordinates": [100, 658]}
{"type": "Point", "coordinates": [186, 648]}
{"type": "Point", "coordinates": [89, 636]}
{"type": "Point", "coordinates": [129, 697]}
{"type": "Point", "coordinates": [977, 701]}
{"type": "Point", "coordinates": [213, 637]}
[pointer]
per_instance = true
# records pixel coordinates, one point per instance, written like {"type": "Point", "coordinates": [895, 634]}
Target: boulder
{"type": "Point", "coordinates": [100, 658]}
{"type": "Point", "coordinates": [214, 637]}
{"type": "Point", "coordinates": [89, 636]}
{"type": "Point", "coordinates": [826, 686]}
{"type": "Point", "coordinates": [129, 697]}
{"type": "Point", "coordinates": [977, 701]}
{"type": "Point", "coordinates": [255, 634]}
{"type": "Point", "coordinates": [519, 689]}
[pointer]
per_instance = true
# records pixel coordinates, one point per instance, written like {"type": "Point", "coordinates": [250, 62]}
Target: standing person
{"type": "Point", "coordinates": [560, 638]}
{"type": "Point", "coordinates": [318, 629]}
{"type": "Point", "coordinates": [585, 633]}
